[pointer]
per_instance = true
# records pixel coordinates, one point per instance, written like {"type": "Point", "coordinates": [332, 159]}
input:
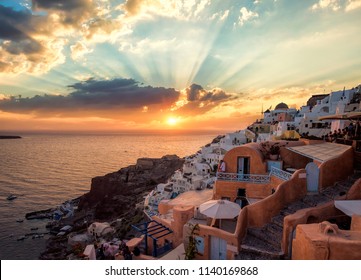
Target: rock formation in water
{"type": "Point", "coordinates": [9, 137]}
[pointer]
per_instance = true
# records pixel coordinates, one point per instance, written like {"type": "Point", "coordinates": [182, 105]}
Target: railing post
{"type": "Point", "coordinates": [155, 248]}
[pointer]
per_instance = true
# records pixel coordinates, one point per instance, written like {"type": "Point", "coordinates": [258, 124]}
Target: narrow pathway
{"type": "Point", "coordinates": [265, 243]}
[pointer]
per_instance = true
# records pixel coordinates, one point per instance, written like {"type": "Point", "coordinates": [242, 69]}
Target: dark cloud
{"type": "Point", "coordinates": [122, 92]}
{"type": "Point", "coordinates": [201, 101]}
{"type": "Point", "coordinates": [197, 93]}
{"type": "Point", "coordinates": [215, 95]}
{"type": "Point", "coordinates": [27, 46]}
{"type": "Point", "coordinates": [64, 5]}
{"type": "Point", "coordinates": [193, 92]}
{"type": "Point", "coordinates": [19, 50]}
{"type": "Point", "coordinates": [93, 95]}
{"type": "Point", "coordinates": [14, 25]}
{"type": "Point", "coordinates": [70, 11]}
{"type": "Point", "coordinates": [34, 42]}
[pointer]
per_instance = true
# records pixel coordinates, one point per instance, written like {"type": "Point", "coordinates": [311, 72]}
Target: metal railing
{"type": "Point", "coordinates": [252, 178]}
{"type": "Point", "coordinates": [281, 174]}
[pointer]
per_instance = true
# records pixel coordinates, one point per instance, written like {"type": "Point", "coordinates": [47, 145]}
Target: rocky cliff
{"type": "Point", "coordinates": [116, 193]}
{"type": "Point", "coordinates": [115, 196]}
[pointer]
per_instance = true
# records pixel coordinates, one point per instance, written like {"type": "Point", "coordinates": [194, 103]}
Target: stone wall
{"type": "Point", "coordinates": [229, 189]}
{"type": "Point", "coordinates": [325, 241]}
{"type": "Point", "coordinates": [315, 215]}
{"type": "Point", "coordinates": [289, 191]}
{"type": "Point", "coordinates": [336, 169]}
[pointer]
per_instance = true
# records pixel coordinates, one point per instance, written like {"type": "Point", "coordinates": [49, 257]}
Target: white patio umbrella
{"type": "Point", "coordinates": [220, 209]}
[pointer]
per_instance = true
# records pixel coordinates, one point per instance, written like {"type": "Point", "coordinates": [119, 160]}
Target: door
{"type": "Point", "coordinates": [218, 248]}
{"type": "Point", "coordinates": [243, 165]}
{"type": "Point", "coordinates": [312, 172]}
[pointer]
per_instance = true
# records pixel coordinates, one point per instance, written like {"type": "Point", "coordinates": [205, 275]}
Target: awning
{"type": "Point", "coordinates": [320, 152]}
{"type": "Point", "coordinates": [354, 115]}
{"type": "Point", "coordinates": [290, 134]}
{"type": "Point", "coordinates": [349, 207]}
{"type": "Point", "coordinates": [344, 116]}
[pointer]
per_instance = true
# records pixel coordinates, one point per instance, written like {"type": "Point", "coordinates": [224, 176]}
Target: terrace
{"type": "Point", "coordinates": [255, 178]}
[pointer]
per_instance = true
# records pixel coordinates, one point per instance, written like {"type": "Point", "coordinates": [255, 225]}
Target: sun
{"type": "Point", "coordinates": [172, 121]}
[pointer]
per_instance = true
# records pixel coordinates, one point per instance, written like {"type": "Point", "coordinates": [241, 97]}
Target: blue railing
{"type": "Point", "coordinates": [280, 174]}
{"type": "Point", "coordinates": [252, 178]}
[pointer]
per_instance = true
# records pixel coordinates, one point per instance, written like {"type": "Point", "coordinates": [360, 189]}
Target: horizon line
{"type": "Point", "coordinates": [115, 132]}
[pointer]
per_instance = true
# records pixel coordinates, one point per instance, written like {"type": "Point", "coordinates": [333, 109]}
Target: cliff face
{"type": "Point", "coordinates": [116, 193]}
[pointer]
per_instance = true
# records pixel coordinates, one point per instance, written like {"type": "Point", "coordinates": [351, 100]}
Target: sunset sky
{"type": "Point", "coordinates": [169, 64]}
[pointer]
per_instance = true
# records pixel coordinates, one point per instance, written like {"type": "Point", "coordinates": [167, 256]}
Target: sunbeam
{"type": "Point", "coordinates": [138, 62]}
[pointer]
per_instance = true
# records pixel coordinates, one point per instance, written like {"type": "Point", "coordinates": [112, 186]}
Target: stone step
{"type": "Point", "coordinates": [314, 200]}
{"type": "Point", "coordinates": [345, 186]}
{"type": "Point", "coordinates": [273, 239]}
{"type": "Point", "coordinates": [260, 244]}
{"type": "Point", "coordinates": [245, 255]}
{"type": "Point", "coordinates": [278, 220]}
{"type": "Point", "coordinates": [274, 228]}
{"type": "Point", "coordinates": [254, 253]}
{"type": "Point", "coordinates": [297, 206]}
{"type": "Point", "coordinates": [286, 211]}
{"type": "Point", "coordinates": [334, 192]}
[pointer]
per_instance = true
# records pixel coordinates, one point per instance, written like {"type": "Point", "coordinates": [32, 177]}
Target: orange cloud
{"type": "Point", "coordinates": [33, 41]}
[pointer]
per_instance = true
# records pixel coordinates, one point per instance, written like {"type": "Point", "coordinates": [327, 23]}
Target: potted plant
{"type": "Point", "coordinates": [274, 151]}
{"type": "Point", "coordinates": [271, 150]}
{"type": "Point", "coordinates": [191, 249]}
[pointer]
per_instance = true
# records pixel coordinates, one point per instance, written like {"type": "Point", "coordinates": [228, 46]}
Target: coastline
{"type": "Point", "coordinates": [44, 171]}
{"type": "Point", "coordinates": [115, 198]}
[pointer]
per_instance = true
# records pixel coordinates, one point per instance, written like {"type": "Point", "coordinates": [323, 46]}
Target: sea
{"type": "Point", "coordinates": [46, 169]}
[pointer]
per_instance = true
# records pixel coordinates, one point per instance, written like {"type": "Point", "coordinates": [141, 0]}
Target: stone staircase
{"type": "Point", "coordinates": [265, 243]}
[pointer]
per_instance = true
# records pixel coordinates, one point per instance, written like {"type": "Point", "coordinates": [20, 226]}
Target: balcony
{"type": "Point", "coordinates": [254, 178]}
{"type": "Point", "coordinates": [236, 177]}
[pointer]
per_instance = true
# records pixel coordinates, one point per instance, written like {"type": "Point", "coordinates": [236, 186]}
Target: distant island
{"type": "Point", "coordinates": [9, 137]}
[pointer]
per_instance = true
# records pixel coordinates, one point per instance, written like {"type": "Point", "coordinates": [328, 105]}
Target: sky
{"type": "Point", "coordinates": [147, 65]}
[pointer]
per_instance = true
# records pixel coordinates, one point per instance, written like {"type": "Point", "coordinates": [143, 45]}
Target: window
{"type": "Point", "coordinates": [243, 165]}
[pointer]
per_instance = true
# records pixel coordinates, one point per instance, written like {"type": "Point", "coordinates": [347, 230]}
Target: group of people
{"type": "Point", "coordinates": [350, 132]}
{"type": "Point", "coordinates": [111, 251]}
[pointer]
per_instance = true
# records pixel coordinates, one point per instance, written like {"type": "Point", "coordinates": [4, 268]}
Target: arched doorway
{"type": "Point", "coordinates": [313, 172]}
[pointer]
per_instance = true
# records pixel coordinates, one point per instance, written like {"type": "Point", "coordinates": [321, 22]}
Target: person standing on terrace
{"type": "Point", "coordinates": [222, 166]}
